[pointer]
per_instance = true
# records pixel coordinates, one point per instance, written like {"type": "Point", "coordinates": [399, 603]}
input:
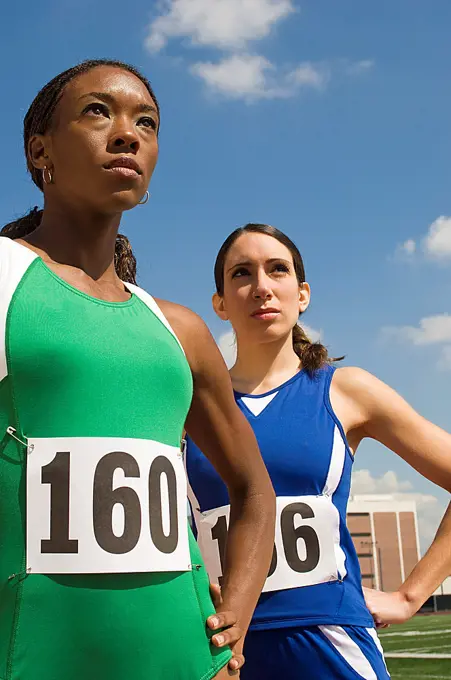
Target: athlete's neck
{"type": "Point", "coordinates": [78, 239]}
{"type": "Point", "coordinates": [262, 367]}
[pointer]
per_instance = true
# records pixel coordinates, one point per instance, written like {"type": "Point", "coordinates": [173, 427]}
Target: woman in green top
{"type": "Point", "coordinates": [100, 577]}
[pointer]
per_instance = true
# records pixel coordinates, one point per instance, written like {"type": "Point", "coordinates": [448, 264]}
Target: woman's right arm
{"type": "Point", "coordinates": [223, 434]}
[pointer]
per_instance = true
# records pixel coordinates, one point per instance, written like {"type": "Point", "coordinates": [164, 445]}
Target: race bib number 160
{"type": "Point", "coordinates": [105, 505]}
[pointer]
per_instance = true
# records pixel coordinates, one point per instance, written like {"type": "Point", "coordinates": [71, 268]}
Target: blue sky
{"type": "Point", "coordinates": [329, 120]}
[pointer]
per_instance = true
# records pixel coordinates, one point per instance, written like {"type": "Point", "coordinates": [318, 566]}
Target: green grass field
{"type": "Point", "coordinates": [422, 636]}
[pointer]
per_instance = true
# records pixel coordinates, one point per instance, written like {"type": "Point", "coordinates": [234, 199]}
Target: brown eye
{"type": "Point", "coordinates": [97, 109]}
{"type": "Point", "coordinates": [242, 271]}
{"type": "Point", "coordinates": [147, 122]}
{"type": "Point", "coordinates": [281, 268]}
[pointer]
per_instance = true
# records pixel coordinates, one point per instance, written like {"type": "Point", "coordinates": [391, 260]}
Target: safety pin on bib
{"type": "Point", "coordinates": [21, 573]}
{"type": "Point", "coordinates": [11, 431]}
{"type": "Point", "coordinates": [183, 445]}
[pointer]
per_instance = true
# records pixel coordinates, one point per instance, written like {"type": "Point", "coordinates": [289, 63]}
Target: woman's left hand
{"type": "Point", "coordinates": [387, 608]}
{"type": "Point", "coordinates": [232, 635]}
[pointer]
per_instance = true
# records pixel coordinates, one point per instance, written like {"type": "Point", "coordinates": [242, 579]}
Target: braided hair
{"type": "Point", "coordinates": [313, 355]}
{"type": "Point", "coordinates": [38, 121]}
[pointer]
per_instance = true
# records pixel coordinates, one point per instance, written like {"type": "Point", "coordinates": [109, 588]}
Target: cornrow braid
{"type": "Point", "coordinates": [124, 260]}
{"type": "Point", "coordinates": [24, 225]}
{"type": "Point", "coordinates": [38, 120]}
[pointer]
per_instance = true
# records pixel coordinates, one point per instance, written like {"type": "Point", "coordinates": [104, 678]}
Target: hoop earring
{"type": "Point", "coordinates": [49, 179]}
{"type": "Point", "coordinates": [146, 198]}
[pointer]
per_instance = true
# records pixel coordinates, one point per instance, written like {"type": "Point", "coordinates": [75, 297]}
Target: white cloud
{"type": "Point", "coordinates": [308, 74]}
{"type": "Point", "coordinates": [437, 243]}
{"type": "Point", "coordinates": [224, 24]}
{"type": "Point", "coordinates": [313, 334]}
{"type": "Point", "coordinates": [445, 359]}
{"type": "Point", "coordinates": [436, 329]}
{"type": "Point", "coordinates": [364, 482]}
{"type": "Point", "coordinates": [407, 248]}
{"type": "Point", "coordinates": [232, 26]}
{"type": "Point", "coordinates": [429, 509]}
{"type": "Point", "coordinates": [238, 76]}
{"type": "Point", "coordinates": [431, 330]}
{"type": "Point", "coordinates": [357, 68]}
{"type": "Point", "coordinates": [251, 77]}
{"type": "Point", "coordinates": [227, 345]}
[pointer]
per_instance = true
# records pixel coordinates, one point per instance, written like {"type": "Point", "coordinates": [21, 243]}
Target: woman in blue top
{"type": "Point", "coordinates": [312, 620]}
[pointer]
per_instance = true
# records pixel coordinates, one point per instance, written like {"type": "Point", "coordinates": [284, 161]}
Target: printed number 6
{"type": "Point", "coordinates": [291, 535]}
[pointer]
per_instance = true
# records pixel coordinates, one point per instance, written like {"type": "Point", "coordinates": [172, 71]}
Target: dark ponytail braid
{"type": "Point", "coordinates": [24, 225]}
{"type": "Point", "coordinates": [313, 355]}
{"type": "Point", "coordinates": [124, 260]}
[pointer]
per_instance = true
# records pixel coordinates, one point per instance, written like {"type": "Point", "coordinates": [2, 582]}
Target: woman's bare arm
{"type": "Point", "coordinates": [221, 431]}
{"type": "Point", "coordinates": [372, 409]}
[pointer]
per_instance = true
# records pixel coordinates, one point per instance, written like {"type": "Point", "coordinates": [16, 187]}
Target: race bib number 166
{"type": "Point", "coordinates": [105, 505]}
{"type": "Point", "coordinates": [307, 539]}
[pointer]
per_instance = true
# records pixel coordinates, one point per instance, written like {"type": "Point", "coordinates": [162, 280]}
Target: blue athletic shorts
{"type": "Point", "coordinates": [314, 653]}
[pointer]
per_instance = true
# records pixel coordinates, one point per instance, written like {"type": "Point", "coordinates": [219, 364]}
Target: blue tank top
{"type": "Point", "coordinates": [315, 575]}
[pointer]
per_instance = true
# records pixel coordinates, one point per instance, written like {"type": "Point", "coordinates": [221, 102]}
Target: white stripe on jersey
{"type": "Point", "coordinates": [336, 466]}
{"type": "Point", "coordinates": [152, 305]}
{"type": "Point", "coordinates": [349, 650]}
{"type": "Point", "coordinates": [377, 642]}
{"type": "Point", "coordinates": [337, 462]}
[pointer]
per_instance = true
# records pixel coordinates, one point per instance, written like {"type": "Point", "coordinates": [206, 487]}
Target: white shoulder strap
{"type": "Point", "coordinates": [14, 262]}
{"type": "Point", "coordinates": [152, 305]}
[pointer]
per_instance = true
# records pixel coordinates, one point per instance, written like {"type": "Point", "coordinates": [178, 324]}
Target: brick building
{"type": "Point", "coordinates": [385, 535]}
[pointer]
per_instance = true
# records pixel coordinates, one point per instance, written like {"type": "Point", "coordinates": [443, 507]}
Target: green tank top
{"type": "Point", "coordinates": [100, 577]}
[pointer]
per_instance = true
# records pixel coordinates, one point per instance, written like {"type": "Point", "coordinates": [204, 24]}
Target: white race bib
{"type": "Point", "coordinates": [105, 505]}
{"type": "Point", "coordinates": [307, 540]}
